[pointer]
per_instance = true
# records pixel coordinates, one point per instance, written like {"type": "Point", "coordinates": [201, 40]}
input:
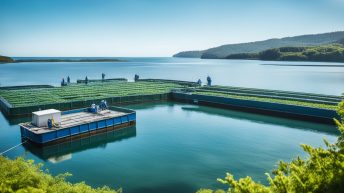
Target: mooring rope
{"type": "Point", "coordinates": [13, 147]}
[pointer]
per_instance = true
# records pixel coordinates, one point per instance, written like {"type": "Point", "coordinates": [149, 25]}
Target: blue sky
{"type": "Point", "coordinates": [154, 27]}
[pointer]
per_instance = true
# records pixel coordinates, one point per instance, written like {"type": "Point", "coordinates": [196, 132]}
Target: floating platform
{"type": "Point", "coordinates": [60, 151]}
{"type": "Point", "coordinates": [78, 123]}
{"type": "Point", "coordinates": [312, 107]}
{"type": "Point", "coordinates": [261, 107]}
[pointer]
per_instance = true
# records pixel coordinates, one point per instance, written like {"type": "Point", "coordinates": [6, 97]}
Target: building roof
{"type": "Point", "coordinates": [46, 112]}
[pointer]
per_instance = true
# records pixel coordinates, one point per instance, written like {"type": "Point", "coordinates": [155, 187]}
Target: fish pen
{"type": "Point", "coordinates": [25, 101]}
{"type": "Point", "coordinates": [298, 105]}
{"type": "Point", "coordinates": [313, 112]}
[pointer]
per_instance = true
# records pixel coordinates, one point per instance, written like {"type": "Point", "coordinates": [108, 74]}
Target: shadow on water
{"type": "Point", "coordinates": [17, 120]}
{"type": "Point", "coordinates": [296, 124]}
{"type": "Point", "coordinates": [63, 151]}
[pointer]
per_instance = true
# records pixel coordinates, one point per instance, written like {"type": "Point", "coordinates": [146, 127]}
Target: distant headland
{"type": "Point", "coordinates": [327, 47]}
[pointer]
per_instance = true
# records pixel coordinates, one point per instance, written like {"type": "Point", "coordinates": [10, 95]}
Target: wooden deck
{"type": "Point", "coordinates": [75, 119]}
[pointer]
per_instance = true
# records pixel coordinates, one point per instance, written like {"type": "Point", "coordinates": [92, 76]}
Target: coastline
{"type": "Point", "coordinates": [11, 60]}
{"type": "Point", "coordinates": [83, 60]}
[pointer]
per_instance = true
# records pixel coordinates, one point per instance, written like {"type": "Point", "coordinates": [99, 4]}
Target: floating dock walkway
{"type": "Point", "coordinates": [76, 124]}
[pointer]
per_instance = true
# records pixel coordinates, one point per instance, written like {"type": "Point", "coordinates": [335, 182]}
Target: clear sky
{"type": "Point", "coordinates": [154, 27]}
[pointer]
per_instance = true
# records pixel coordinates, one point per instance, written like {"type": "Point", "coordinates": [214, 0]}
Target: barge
{"type": "Point", "coordinates": [61, 151]}
{"type": "Point", "coordinates": [52, 126]}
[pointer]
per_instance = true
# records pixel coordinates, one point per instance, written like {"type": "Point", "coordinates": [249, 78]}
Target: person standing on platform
{"type": "Point", "coordinates": [209, 81]}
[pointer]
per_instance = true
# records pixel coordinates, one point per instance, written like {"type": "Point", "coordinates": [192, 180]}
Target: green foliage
{"type": "Point", "coordinates": [210, 191]}
{"type": "Point", "coordinates": [292, 49]}
{"type": "Point", "coordinates": [23, 176]}
{"type": "Point", "coordinates": [243, 56]}
{"type": "Point", "coordinates": [326, 53]}
{"type": "Point", "coordinates": [322, 171]}
{"type": "Point", "coordinates": [5, 59]}
{"type": "Point", "coordinates": [340, 109]}
{"type": "Point", "coordinates": [189, 54]}
{"type": "Point", "coordinates": [271, 54]}
{"type": "Point", "coordinates": [293, 56]}
{"type": "Point", "coordinates": [332, 53]}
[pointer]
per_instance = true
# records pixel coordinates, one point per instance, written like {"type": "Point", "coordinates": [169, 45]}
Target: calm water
{"type": "Point", "coordinates": [327, 80]}
{"type": "Point", "coordinates": [178, 147]}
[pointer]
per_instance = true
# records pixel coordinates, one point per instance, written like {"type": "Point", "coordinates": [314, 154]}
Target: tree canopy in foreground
{"type": "Point", "coordinates": [23, 176]}
{"type": "Point", "coordinates": [323, 171]}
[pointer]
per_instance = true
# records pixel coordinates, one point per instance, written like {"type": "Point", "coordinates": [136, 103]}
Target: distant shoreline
{"type": "Point", "coordinates": [306, 65]}
{"type": "Point", "coordinates": [6, 60]}
{"type": "Point", "coordinates": [67, 60]}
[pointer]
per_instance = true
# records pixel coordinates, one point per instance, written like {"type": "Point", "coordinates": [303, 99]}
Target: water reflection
{"type": "Point", "coordinates": [257, 118]}
{"type": "Point", "coordinates": [240, 115]}
{"type": "Point", "coordinates": [17, 120]}
{"type": "Point", "coordinates": [64, 151]}
{"type": "Point", "coordinates": [193, 144]}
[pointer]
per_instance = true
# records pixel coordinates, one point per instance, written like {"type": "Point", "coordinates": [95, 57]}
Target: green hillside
{"type": "Point", "coordinates": [258, 46]}
{"type": "Point", "coordinates": [5, 59]}
{"type": "Point", "coordinates": [189, 54]}
{"type": "Point", "coordinates": [324, 53]}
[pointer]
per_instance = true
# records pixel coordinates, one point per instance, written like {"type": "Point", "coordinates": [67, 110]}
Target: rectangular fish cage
{"type": "Point", "coordinates": [78, 123]}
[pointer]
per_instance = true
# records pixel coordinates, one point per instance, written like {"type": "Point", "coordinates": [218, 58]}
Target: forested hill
{"type": "Point", "coordinates": [5, 59]}
{"type": "Point", "coordinates": [258, 46]}
{"type": "Point", "coordinates": [323, 53]}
